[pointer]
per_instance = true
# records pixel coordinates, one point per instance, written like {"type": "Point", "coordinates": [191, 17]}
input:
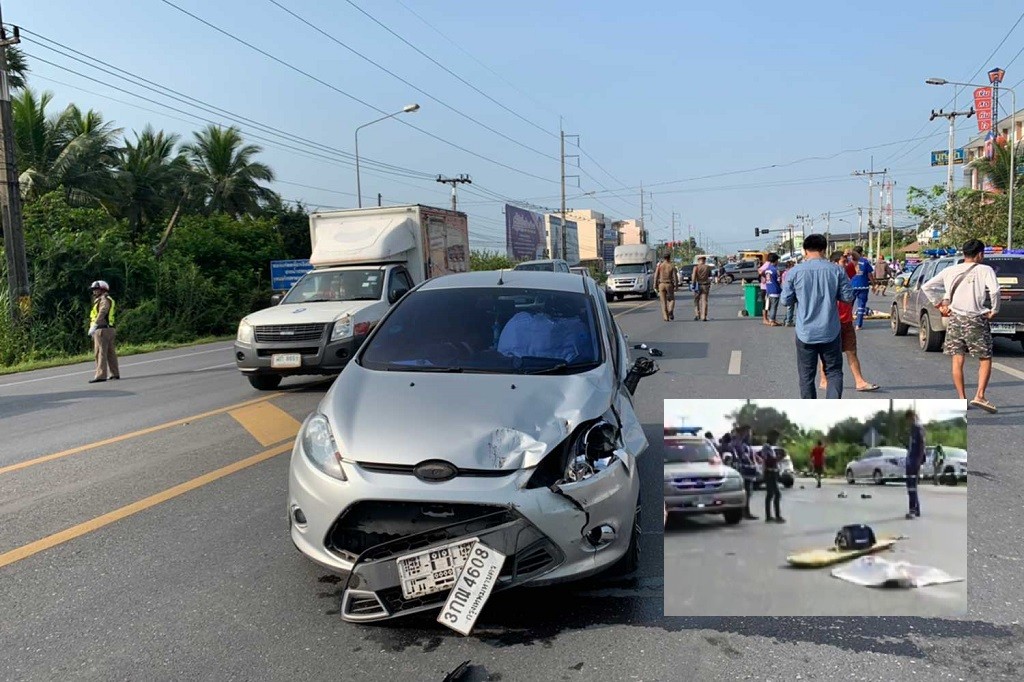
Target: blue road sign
{"type": "Point", "coordinates": [285, 273]}
{"type": "Point", "coordinates": [941, 157]}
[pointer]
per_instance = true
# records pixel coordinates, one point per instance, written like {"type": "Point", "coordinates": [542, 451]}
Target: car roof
{"type": "Point", "coordinates": [540, 261]}
{"type": "Point", "coordinates": [529, 279]}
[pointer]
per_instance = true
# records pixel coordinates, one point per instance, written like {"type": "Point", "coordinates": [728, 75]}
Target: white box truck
{"type": "Point", "coordinates": [633, 272]}
{"type": "Point", "coordinates": [364, 260]}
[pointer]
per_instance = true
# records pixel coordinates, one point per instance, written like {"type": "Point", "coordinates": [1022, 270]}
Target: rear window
{"type": "Point", "coordinates": [1008, 267]}
{"type": "Point", "coordinates": [539, 267]}
{"type": "Point", "coordinates": [677, 451]}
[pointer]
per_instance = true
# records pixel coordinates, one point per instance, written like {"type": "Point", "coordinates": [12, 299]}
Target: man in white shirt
{"type": "Point", "coordinates": [962, 290]}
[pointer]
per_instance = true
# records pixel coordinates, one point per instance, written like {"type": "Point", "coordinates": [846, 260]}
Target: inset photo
{"type": "Point", "coordinates": [805, 508]}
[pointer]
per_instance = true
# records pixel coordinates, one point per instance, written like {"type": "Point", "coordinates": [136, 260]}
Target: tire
{"type": "Point", "coordinates": [787, 481]}
{"type": "Point", "coordinates": [727, 279]}
{"type": "Point", "coordinates": [929, 339]}
{"type": "Point", "coordinates": [264, 382]}
{"type": "Point", "coordinates": [849, 477]}
{"type": "Point", "coordinates": [630, 561]}
{"type": "Point", "coordinates": [618, 297]}
{"type": "Point", "coordinates": [877, 477]}
{"type": "Point", "coordinates": [898, 328]}
{"type": "Point", "coordinates": [733, 516]}
{"type": "Point", "coordinates": [950, 477]}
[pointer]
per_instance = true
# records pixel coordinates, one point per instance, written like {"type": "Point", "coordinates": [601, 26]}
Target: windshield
{"type": "Point", "coordinates": [500, 330]}
{"type": "Point", "coordinates": [338, 285]}
{"type": "Point", "coordinates": [542, 267]}
{"type": "Point", "coordinates": [677, 451]}
{"type": "Point", "coordinates": [954, 452]}
{"type": "Point", "coordinates": [629, 269]}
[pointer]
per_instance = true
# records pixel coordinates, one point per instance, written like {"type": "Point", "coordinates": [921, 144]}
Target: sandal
{"type": "Point", "coordinates": [985, 405]}
{"type": "Point", "coordinates": [869, 387]}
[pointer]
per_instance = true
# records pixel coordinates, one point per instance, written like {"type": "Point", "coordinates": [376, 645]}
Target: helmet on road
{"type": "Point", "coordinates": [100, 284]}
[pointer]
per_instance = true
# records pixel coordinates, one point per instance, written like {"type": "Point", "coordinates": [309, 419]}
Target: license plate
{"type": "Point", "coordinates": [473, 587]}
{"type": "Point", "coordinates": [433, 570]}
{"type": "Point", "coordinates": [1003, 328]}
{"type": "Point", "coordinates": [285, 360]}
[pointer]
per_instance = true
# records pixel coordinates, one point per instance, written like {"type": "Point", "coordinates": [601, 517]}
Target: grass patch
{"type": "Point", "coordinates": [122, 351]}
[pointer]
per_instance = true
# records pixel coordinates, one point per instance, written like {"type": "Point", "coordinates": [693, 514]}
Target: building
{"type": "Point", "coordinates": [630, 231]}
{"type": "Point", "coordinates": [975, 149]}
{"type": "Point", "coordinates": [553, 228]}
{"type": "Point", "coordinates": [590, 227]}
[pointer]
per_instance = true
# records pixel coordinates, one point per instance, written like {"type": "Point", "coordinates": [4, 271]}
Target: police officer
{"type": "Point", "coordinates": [747, 466]}
{"type": "Point", "coordinates": [915, 457]}
{"type": "Point", "coordinates": [101, 329]}
{"type": "Point", "coordinates": [773, 496]}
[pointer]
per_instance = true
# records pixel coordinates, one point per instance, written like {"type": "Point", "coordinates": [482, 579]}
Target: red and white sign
{"type": "Point", "coordinates": [983, 108]}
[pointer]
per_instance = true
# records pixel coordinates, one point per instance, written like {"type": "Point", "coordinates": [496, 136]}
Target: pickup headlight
{"type": "Point", "coordinates": [342, 328]}
{"type": "Point", "coordinates": [245, 332]}
{"type": "Point", "coordinates": [320, 448]}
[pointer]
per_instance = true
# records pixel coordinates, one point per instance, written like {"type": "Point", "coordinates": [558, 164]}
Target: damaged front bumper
{"type": "Point", "coordinates": [359, 528]}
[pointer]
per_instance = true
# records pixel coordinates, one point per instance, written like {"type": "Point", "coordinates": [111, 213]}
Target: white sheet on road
{"type": "Point", "coordinates": [873, 571]}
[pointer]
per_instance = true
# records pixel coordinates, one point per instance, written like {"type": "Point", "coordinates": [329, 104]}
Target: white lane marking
{"type": "Point", "coordinates": [130, 364]}
{"type": "Point", "coordinates": [734, 362]}
{"type": "Point", "coordinates": [1009, 370]}
{"type": "Point", "coordinates": [203, 369]}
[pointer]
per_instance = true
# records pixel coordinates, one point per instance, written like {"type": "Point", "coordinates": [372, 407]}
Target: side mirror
{"type": "Point", "coordinates": [276, 299]}
{"type": "Point", "coordinates": [643, 367]}
{"type": "Point", "coordinates": [396, 294]}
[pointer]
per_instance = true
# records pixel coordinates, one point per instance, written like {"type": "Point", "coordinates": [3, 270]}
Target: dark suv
{"type": "Point", "coordinates": [913, 309]}
{"type": "Point", "coordinates": [745, 270]}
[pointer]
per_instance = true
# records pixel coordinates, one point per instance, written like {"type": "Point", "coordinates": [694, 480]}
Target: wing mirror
{"type": "Point", "coordinates": [643, 367]}
{"type": "Point", "coordinates": [396, 294]}
{"type": "Point", "coordinates": [276, 299]}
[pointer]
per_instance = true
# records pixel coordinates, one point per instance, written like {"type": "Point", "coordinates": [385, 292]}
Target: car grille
{"type": "Point", "coordinates": [267, 352]}
{"type": "Point", "coordinates": [696, 483]}
{"type": "Point", "coordinates": [408, 469]}
{"type": "Point", "coordinates": [290, 332]}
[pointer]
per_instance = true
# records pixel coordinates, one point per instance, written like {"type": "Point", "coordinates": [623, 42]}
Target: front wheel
{"type": "Point", "coordinates": [264, 382]}
{"type": "Point", "coordinates": [877, 478]}
{"type": "Point", "coordinates": [849, 477]}
{"type": "Point", "coordinates": [733, 516]}
{"type": "Point", "coordinates": [787, 481]}
{"type": "Point", "coordinates": [727, 279]}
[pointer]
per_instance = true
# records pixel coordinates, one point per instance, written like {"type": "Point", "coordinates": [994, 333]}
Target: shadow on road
{"type": "Point", "coordinates": [36, 402]}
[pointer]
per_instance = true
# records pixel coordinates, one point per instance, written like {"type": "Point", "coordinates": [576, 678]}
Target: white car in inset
{"type": "Point", "coordinates": [878, 465]}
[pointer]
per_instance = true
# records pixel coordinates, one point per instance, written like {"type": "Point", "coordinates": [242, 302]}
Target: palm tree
{"type": "Point", "coordinates": [17, 69]}
{"type": "Point", "coordinates": [227, 177]}
{"type": "Point", "coordinates": [70, 149]}
{"type": "Point", "coordinates": [997, 169]}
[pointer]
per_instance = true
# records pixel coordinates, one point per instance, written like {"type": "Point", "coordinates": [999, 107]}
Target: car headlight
{"type": "Point", "coordinates": [320, 448]}
{"type": "Point", "coordinates": [342, 328]}
{"type": "Point", "coordinates": [245, 332]}
{"type": "Point", "coordinates": [587, 451]}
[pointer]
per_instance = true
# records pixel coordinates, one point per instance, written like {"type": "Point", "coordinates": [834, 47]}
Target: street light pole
{"type": "Point", "coordinates": [1013, 145]}
{"type": "Point", "coordinates": [407, 109]}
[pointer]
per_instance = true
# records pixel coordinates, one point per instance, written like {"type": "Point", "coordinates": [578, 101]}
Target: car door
{"type": "Point", "coordinates": [868, 463]}
{"type": "Point", "coordinates": [618, 355]}
{"type": "Point", "coordinates": [911, 295]}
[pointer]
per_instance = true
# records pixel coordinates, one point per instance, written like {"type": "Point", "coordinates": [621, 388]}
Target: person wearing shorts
{"type": "Point", "coordinates": [962, 290]}
{"type": "Point", "coordinates": [818, 461]}
{"type": "Point", "coordinates": [848, 338]}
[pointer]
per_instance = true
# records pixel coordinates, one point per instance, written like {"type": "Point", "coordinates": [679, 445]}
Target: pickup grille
{"type": "Point", "coordinates": [290, 332]}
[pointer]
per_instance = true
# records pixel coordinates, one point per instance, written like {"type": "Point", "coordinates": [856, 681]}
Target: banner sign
{"type": "Point", "coordinates": [983, 108]}
{"type": "Point", "coordinates": [285, 273]}
{"type": "Point", "coordinates": [611, 240]}
{"type": "Point", "coordinates": [525, 237]}
{"type": "Point", "coordinates": [941, 158]}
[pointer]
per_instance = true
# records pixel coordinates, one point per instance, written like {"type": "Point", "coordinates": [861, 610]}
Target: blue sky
{"type": "Point", "coordinates": [658, 92]}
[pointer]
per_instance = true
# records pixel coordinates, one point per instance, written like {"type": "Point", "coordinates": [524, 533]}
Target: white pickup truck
{"type": "Point", "coordinates": [364, 261]}
{"type": "Point", "coordinates": [633, 273]}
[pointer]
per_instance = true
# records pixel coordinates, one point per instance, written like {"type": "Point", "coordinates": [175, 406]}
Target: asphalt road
{"type": "Point", "coordinates": [155, 546]}
{"type": "Point", "coordinates": [743, 571]}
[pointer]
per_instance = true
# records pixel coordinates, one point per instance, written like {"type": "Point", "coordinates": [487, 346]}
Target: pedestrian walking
{"type": "Point", "coordinates": [961, 292]}
{"type": "Point", "coordinates": [882, 272]}
{"type": "Point", "coordinates": [101, 329]}
{"type": "Point", "coordinates": [773, 495]}
{"type": "Point", "coordinates": [772, 290]}
{"type": "Point", "coordinates": [818, 461]}
{"type": "Point", "coordinates": [701, 279]}
{"type": "Point", "coordinates": [861, 283]}
{"type": "Point", "coordinates": [762, 293]}
{"type": "Point", "coordinates": [814, 286]}
{"type": "Point", "coordinates": [667, 279]}
{"type": "Point", "coordinates": [747, 466]}
{"type": "Point", "coordinates": [849, 342]}
{"type": "Point", "coordinates": [915, 457]}
{"type": "Point", "coordinates": [790, 309]}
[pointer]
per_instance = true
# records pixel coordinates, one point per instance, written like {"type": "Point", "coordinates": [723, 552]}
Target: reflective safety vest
{"type": "Point", "coordinates": [96, 312]}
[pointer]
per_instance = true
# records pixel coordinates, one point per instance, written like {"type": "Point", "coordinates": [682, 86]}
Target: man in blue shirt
{"type": "Point", "coordinates": [816, 285]}
{"type": "Point", "coordinates": [861, 283]}
{"type": "Point", "coordinates": [915, 458]}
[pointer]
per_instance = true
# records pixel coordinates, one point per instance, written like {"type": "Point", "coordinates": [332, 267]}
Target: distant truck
{"type": "Point", "coordinates": [364, 260]}
{"type": "Point", "coordinates": [633, 272]}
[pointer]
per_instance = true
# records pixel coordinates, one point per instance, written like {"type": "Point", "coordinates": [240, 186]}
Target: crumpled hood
{"type": "Point", "coordinates": [306, 313]}
{"type": "Point", "coordinates": [474, 421]}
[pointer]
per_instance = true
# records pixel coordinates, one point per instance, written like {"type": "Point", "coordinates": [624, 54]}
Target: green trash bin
{"type": "Point", "coordinates": [754, 305]}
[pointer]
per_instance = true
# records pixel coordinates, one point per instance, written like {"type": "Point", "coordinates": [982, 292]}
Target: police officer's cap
{"type": "Point", "coordinates": [100, 284]}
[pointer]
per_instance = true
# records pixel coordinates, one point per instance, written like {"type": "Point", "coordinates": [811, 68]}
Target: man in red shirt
{"type": "Point", "coordinates": [818, 461]}
{"type": "Point", "coordinates": [849, 337]}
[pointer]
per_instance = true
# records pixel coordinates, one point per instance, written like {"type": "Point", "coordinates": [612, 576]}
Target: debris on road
{"type": "Point", "coordinates": [872, 571]}
{"type": "Point", "coordinates": [819, 558]}
{"type": "Point", "coordinates": [458, 674]}
{"type": "Point", "coordinates": [865, 496]}
{"type": "Point", "coordinates": [842, 495]}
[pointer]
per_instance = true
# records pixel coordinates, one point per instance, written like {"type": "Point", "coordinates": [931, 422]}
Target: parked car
{"type": "Point", "coordinates": [879, 465]}
{"type": "Point", "coordinates": [952, 465]}
{"type": "Point", "coordinates": [580, 270]}
{"type": "Point", "coordinates": [911, 308]}
{"type": "Point", "coordinates": [787, 472]}
{"type": "Point", "coordinates": [545, 265]}
{"type": "Point", "coordinates": [742, 270]}
{"type": "Point", "coordinates": [698, 482]}
{"type": "Point", "coordinates": [510, 424]}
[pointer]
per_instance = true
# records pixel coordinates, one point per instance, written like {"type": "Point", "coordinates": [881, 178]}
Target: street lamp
{"type": "Point", "coordinates": [407, 109]}
{"type": "Point", "coordinates": [1013, 144]}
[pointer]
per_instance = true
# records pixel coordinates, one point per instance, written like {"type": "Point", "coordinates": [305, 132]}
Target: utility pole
{"type": "Point", "coordinates": [462, 179]}
{"type": "Point", "coordinates": [643, 237]}
{"type": "Point", "coordinates": [673, 227]}
{"type": "Point", "coordinates": [860, 224]}
{"type": "Point", "coordinates": [565, 241]}
{"type": "Point", "coordinates": [951, 117]}
{"type": "Point", "coordinates": [871, 194]}
{"type": "Point", "coordinates": [10, 193]}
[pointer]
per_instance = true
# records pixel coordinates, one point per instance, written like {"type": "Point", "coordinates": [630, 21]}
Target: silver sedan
{"type": "Point", "coordinates": [879, 465]}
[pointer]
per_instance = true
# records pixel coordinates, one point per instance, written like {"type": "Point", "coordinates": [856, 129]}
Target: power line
{"type": "Point", "coordinates": [353, 97]}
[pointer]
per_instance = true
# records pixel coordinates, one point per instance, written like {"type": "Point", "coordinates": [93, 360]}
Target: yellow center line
{"type": "Point", "coordinates": [636, 307]}
{"type": "Point", "coordinates": [134, 434]}
{"type": "Point", "coordinates": [81, 529]}
{"type": "Point", "coordinates": [266, 423]}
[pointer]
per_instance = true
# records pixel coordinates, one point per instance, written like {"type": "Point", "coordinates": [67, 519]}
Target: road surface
{"type": "Point", "coordinates": [143, 536]}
